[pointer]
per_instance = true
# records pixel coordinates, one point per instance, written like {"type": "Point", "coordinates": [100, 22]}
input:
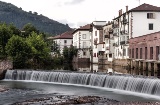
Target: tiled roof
{"type": "Point", "coordinates": [146, 7]}
{"type": "Point", "coordinates": [65, 35]}
{"type": "Point", "coordinates": [142, 8]}
{"type": "Point", "coordinates": [86, 27]}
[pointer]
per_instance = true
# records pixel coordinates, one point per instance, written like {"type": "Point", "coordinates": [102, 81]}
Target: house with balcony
{"type": "Point", "coordinates": [81, 41]}
{"type": "Point", "coordinates": [132, 23]}
{"type": "Point", "coordinates": [97, 40]}
{"type": "Point", "coordinates": [109, 41]}
{"type": "Point", "coordinates": [60, 41]}
{"type": "Point", "coordinates": [121, 34]}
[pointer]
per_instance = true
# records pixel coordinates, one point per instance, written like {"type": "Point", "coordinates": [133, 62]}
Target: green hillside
{"type": "Point", "coordinates": [9, 13]}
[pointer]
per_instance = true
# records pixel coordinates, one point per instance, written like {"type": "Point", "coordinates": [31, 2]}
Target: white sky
{"type": "Point", "coordinates": [79, 12]}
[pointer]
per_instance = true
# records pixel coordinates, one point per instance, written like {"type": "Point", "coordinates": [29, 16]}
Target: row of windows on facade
{"type": "Point", "coordinates": [83, 36]}
{"type": "Point", "coordinates": [137, 53]}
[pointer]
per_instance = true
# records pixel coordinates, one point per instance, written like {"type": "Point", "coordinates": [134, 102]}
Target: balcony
{"type": "Point", "coordinates": [115, 26]}
{"type": "Point", "coordinates": [122, 42]}
{"type": "Point", "coordinates": [95, 42]}
{"type": "Point", "coordinates": [124, 32]}
{"type": "Point", "coordinates": [115, 44]}
{"type": "Point", "coordinates": [125, 21]}
{"type": "Point", "coordinates": [110, 31]}
{"type": "Point", "coordinates": [106, 36]}
{"type": "Point", "coordinates": [115, 34]}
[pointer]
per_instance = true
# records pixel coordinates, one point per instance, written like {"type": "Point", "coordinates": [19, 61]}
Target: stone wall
{"type": "Point", "coordinates": [5, 65]}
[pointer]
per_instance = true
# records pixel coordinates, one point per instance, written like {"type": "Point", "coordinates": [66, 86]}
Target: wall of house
{"type": "Point", "coordinates": [61, 43]}
{"type": "Point", "coordinates": [79, 40]}
{"type": "Point", "coordinates": [140, 23]}
{"type": "Point", "coordinates": [143, 42]}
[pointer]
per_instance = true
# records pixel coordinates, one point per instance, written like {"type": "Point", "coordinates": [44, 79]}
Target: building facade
{"type": "Point", "coordinates": [138, 21]}
{"type": "Point", "coordinates": [81, 41]}
{"type": "Point", "coordinates": [61, 41]}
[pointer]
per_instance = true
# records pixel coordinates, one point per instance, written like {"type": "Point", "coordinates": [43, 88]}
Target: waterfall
{"type": "Point", "coordinates": [127, 83]}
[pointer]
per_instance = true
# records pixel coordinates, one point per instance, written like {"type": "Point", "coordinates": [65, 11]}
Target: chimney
{"type": "Point", "coordinates": [127, 8]}
{"type": "Point", "coordinates": [121, 11]}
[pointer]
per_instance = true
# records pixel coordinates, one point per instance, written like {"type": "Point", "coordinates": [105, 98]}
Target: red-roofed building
{"type": "Point", "coordinates": [139, 21]}
{"type": "Point", "coordinates": [63, 40]}
{"type": "Point", "coordinates": [81, 40]}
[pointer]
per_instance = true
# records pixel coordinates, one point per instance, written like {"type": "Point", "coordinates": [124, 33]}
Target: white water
{"type": "Point", "coordinates": [126, 83]}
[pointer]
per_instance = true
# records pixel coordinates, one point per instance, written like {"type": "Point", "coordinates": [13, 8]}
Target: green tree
{"type": "Point", "coordinates": [69, 53]}
{"type": "Point", "coordinates": [19, 50]}
{"type": "Point", "coordinates": [40, 50]}
{"type": "Point", "coordinates": [14, 30]}
{"type": "Point", "coordinates": [5, 35]}
{"type": "Point", "coordinates": [28, 29]}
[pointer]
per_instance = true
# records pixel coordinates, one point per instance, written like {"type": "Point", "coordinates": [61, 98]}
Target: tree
{"type": "Point", "coordinates": [28, 29]}
{"type": "Point", "coordinates": [40, 50]}
{"type": "Point", "coordinates": [69, 53]}
{"type": "Point", "coordinates": [19, 50]}
{"type": "Point", "coordinates": [14, 30]}
{"type": "Point", "coordinates": [5, 35]}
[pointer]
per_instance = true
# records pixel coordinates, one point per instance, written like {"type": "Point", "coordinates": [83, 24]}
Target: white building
{"type": "Point", "coordinates": [81, 40]}
{"type": "Point", "coordinates": [97, 40]}
{"type": "Point", "coordinates": [138, 21]}
{"type": "Point", "coordinates": [61, 41]}
{"type": "Point", "coordinates": [109, 41]}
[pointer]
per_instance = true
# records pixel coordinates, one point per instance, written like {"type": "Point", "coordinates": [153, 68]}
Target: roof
{"type": "Point", "coordinates": [86, 27]}
{"type": "Point", "coordinates": [143, 8]}
{"type": "Point", "coordinates": [65, 35]}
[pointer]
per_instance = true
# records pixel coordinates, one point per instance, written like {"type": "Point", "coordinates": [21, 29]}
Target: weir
{"type": "Point", "coordinates": [122, 82]}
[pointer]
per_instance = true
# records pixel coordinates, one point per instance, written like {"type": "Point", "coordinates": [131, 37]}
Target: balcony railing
{"type": "Point", "coordinates": [106, 36]}
{"type": "Point", "coordinates": [125, 21]}
{"type": "Point", "coordinates": [115, 25]}
{"type": "Point", "coordinates": [115, 44]}
{"type": "Point", "coordinates": [115, 34]}
{"type": "Point", "coordinates": [124, 32]}
{"type": "Point", "coordinates": [122, 42]}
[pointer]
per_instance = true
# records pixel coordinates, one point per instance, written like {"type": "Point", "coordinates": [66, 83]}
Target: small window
{"type": "Point", "coordinates": [95, 33]}
{"type": "Point", "coordinates": [94, 54]}
{"type": "Point", "coordinates": [84, 36]}
{"type": "Point", "coordinates": [84, 53]}
{"type": "Point", "coordinates": [150, 26]}
{"type": "Point", "coordinates": [65, 41]}
{"type": "Point", "coordinates": [150, 15]}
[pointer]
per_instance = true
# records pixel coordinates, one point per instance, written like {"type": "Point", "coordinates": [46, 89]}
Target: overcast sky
{"type": "Point", "coordinates": [79, 12]}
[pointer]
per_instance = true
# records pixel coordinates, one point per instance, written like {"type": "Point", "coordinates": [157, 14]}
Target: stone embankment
{"type": "Point", "coordinates": [5, 65]}
{"type": "Point", "coordinates": [79, 100]}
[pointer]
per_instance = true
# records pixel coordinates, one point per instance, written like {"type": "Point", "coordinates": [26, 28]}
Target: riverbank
{"type": "Point", "coordinates": [79, 100]}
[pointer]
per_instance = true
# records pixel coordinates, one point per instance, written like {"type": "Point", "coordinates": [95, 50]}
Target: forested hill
{"type": "Point", "coordinates": [9, 13]}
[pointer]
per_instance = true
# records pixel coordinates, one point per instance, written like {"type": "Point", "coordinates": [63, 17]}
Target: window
{"type": "Point", "coordinates": [133, 53]}
{"type": "Point", "coordinates": [95, 33]}
{"type": "Point", "coordinates": [150, 15]}
{"type": "Point", "coordinates": [146, 52]}
{"type": "Point", "coordinates": [65, 41]}
{"type": "Point", "coordinates": [140, 53]}
{"type": "Point", "coordinates": [157, 52]}
{"type": "Point", "coordinates": [136, 53]}
{"type": "Point", "coordinates": [151, 52]}
{"type": "Point", "coordinates": [84, 36]}
{"type": "Point", "coordinates": [110, 55]}
{"type": "Point", "coordinates": [84, 53]}
{"type": "Point", "coordinates": [124, 52]}
{"type": "Point", "coordinates": [84, 44]}
{"type": "Point", "coordinates": [94, 54]}
{"type": "Point", "coordinates": [150, 26]}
